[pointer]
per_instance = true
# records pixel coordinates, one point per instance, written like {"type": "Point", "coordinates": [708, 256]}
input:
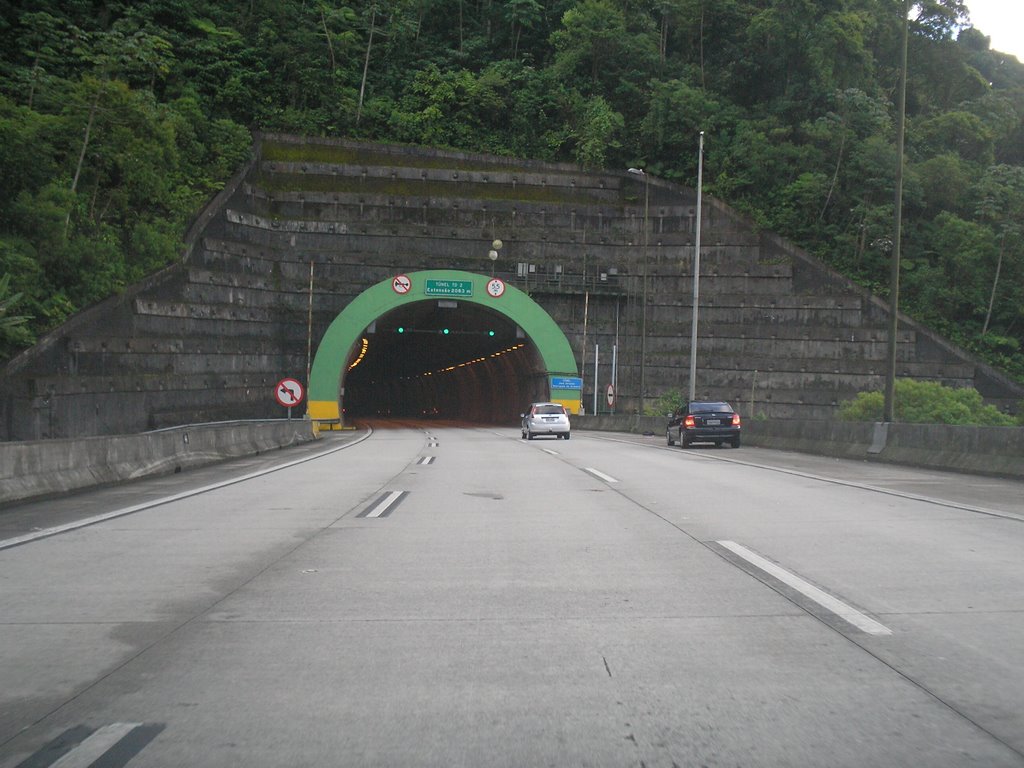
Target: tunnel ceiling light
{"type": "Point", "coordinates": [467, 363]}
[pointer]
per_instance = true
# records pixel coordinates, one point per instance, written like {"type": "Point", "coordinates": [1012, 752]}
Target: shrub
{"type": "Point", "coordinates": [926, 402]}
{"type": "Point", "coordinates": [668, 402]}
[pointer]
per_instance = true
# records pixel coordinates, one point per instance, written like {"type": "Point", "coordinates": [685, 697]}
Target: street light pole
{"type": "Point", "coordinates": [643, 299]}
{"type": "Point", "coordinates": [696, 275]}
{"type": "Point", "coordinates": [889, 405]}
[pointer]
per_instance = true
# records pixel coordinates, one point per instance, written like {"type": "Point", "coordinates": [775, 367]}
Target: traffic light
{"type": "Point", "coordinates": [490, 333]}
{"type": "Point", "coordinates": [401, 329]}
{"type": "Point", "coordinates": [445, 331]}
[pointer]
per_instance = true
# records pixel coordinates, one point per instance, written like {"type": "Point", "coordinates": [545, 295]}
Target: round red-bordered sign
{"type": "Point", "coordinates": [495, 287]}
{"type": "Point", "coordinates": [401, 284]}
{"type": "Point", "coordinates": [289, 392]}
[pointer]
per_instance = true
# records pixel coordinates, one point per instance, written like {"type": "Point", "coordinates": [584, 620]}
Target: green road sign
{"type": "Point", "coordinates": [448, 288]}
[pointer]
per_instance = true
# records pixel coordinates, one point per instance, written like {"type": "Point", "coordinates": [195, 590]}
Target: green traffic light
{"type": "Point", "coordinates": [445, 331]}
{"type": "Point", "coordinates": [490, 333]}
{"type": "Point", "coordinates": [401, 329]}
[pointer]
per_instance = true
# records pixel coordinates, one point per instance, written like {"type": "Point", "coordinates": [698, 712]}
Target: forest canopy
{"type": "Point", "coordinates": [118, 120]}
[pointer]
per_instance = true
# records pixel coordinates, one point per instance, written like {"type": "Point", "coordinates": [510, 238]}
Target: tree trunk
{"type": "Point", "coordinates": [664, 38]}
{"type": "Point", "coordinates": [327, 34]}
{"type": "Point", "coordinates": [703, 83]}
{"type": "Point", "coordinates": [81, 156]}
{"type": "Point", "coordinates": [835, 178]}
{"type": "Point", "coordinates": [366, 66]}
{"type": "Point", "coordinates": [995, 283]}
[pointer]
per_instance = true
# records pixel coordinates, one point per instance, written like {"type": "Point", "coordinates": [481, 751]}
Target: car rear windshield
{"type": "Point", "coordinates": [710, 408]}
{"type": "Point", "coordinates": [549, 409]}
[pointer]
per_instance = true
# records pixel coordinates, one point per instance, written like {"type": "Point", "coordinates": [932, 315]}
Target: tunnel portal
{"type": "Point", "coordinates": [441, 343]}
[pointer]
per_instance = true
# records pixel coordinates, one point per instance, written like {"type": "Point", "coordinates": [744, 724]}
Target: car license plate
{"type": "Point", "coordinates": [713, 422]}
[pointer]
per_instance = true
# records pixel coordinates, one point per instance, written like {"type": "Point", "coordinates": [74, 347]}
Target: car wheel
{"type": "Point", "coordinates": [529, 435]}
{"type": "Point", "coordinates": [668, 438]}
{"type": "Point", "coordinates": [736, 442]}
{"type": "Point", "coordinates": [566, 435]}
{"type": "Point", "coordinates": [683, 442]}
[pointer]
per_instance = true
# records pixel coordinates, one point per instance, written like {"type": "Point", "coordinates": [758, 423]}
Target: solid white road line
{"type": "Point", "coordinates": [808, 590]}
{"type": "Point", "coordinates": [47, 532]}
{"type": "Point", "coordinates": [601, 475]}
{"type": "Point", "coordinates": [94, 747]}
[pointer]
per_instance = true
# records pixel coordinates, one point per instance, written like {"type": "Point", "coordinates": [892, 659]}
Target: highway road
{"type": "Point", "coordinates": [427, 594]}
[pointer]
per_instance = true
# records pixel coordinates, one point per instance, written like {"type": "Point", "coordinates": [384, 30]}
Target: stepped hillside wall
{"type": "Point", "coordinates": [206, 339]}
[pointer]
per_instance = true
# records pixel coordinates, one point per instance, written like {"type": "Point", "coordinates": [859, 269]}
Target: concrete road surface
{"type": "Point", "coordinates": [433, 595]}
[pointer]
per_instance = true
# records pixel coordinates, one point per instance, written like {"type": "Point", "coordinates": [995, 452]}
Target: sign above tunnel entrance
{"type": "Point", "coordinates": [457, 288]}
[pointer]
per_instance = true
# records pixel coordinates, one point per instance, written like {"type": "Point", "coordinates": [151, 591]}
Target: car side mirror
{"type": "Point", "coordinates": [522, 415]}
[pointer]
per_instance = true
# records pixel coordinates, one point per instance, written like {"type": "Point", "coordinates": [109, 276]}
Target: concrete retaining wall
{"type": "Point", "coordinates": [46, 467]}
{"type": "Point", "coordinates": [980, 450]}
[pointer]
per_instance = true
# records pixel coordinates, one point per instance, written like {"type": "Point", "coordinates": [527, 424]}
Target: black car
{"type": "Point", "coordinates": [704, 422]}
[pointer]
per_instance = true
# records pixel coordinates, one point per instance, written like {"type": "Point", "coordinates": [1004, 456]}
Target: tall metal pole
{"type": "Point", "coordinates": [894, 274]}
{"type": "Point", "coordinates": [696, 274]}
{"type": "Point", "coordinates": [615, 355]}
{"type": "Point", "coordinates": [309, 327]}
{"type": "Point", "coordinates": [643, 321]}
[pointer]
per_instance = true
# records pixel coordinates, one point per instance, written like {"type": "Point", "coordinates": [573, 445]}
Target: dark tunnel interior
{"type": "Point", "coordinates": [443, 359]}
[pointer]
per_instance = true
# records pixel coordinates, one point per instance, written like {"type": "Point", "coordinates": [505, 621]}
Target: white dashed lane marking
{"type": "Point", "coordinates": [384, 505]}
{"type": "Point", "coordinates": [601, 475]}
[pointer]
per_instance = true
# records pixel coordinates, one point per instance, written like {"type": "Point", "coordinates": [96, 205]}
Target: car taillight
{"type": "Point", "coordinates": [735, 419]}
{"type": "Point", "coordinates": [689, 422]}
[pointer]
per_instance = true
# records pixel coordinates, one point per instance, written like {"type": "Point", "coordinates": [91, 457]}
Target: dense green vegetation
{"type": "Point", "coordinates": [119, 119]}
{"type": "Point", "coordinates": [928, 402]}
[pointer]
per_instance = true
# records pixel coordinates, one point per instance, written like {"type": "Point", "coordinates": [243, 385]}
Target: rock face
{"type": "Point", "coordinates": [779, 334]}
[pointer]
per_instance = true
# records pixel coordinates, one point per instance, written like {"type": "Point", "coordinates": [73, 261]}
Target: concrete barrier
{"type": "Point", "coordinates": [995, 451]}
{"type": "Point", "coordinates": [40, 468]}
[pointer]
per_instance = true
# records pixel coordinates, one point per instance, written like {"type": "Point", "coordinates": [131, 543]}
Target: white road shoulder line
{"type": "Point", "coordinates": [94, 747]}
{"type": "Point", "coordinates": [601, 475]}
{"type": "Point", "coordinates": [808, 590]}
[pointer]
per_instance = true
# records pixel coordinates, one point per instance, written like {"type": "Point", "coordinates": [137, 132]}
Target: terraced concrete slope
{"type": "Point", "coordinates": [310, 224]}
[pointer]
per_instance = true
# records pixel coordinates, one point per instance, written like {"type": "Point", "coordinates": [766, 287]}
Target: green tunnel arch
{"type": "Point", "coordinates": [326, 373]}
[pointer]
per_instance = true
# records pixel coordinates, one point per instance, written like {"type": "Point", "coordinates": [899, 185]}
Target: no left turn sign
{"type": "Point", "coordinates": [288, 392]}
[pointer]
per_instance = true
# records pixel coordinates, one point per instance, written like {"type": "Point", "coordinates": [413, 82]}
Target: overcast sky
{"type": "Point", "coordinates": [1001, 20]}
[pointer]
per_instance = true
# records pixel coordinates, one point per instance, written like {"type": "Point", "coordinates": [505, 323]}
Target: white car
{"type": "Point", "coordinates": [545, 419]}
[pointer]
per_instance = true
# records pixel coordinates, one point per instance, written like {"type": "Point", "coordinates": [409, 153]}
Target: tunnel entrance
{"type": "Point", "coordinates": [445, 344]}
{"type": "Point", "coordinates": [444, 359]}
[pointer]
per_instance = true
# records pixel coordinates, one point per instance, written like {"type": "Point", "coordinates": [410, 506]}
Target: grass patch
{"type": "Point", "coordinates": [353, 185]}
